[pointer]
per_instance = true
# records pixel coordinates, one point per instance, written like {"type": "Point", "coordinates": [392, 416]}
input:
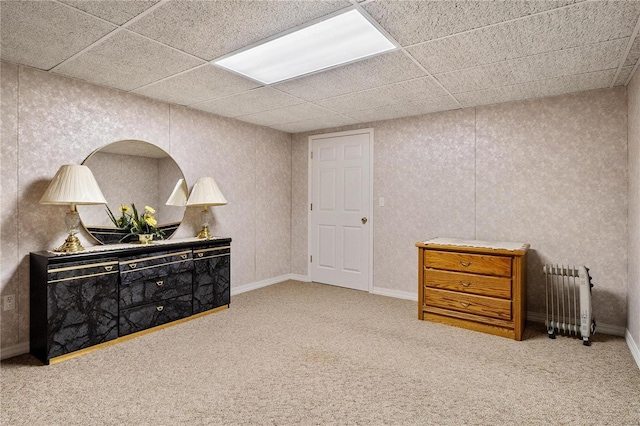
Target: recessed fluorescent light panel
{"type": "Point", "coordinates": [337, 40]}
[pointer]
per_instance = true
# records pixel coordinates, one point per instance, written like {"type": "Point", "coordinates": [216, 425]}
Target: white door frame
{"type": "Point", "coordinates": [310, 194]}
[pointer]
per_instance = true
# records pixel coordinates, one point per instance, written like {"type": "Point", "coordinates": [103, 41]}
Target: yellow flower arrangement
{"type": "Point", "coordinates": [134, 223]}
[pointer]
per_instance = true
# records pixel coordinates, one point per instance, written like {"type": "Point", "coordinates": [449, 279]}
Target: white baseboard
{"type": "Point", "coordinates": [603, 328]}
{"type": "Point", "coordinates": [408, 295]}
{"type": "Point", "coordinates": [14, 350]}
{"type": "Point", "coordinates": [298, 277]}
{"type": "Point", "coordinates": [633, 347]}
{"type": "Point", "coordinates": [259, 284]}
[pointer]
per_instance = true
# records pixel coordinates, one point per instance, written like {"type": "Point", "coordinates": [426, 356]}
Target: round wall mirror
{"type": "Point", "coordinates": [131, 172]}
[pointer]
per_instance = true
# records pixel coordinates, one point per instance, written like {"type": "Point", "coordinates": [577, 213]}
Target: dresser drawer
{"type": "Point", "coordinates": [479, 305]}
{"type": "Point", "coordinates": [151, 289]}
{"type": "Point", "coordinates": [471, 263]}
{"type": "Point", "coordinates": [468, 283]}
{"type": "Point", "coordinates": [83, 269]}
{"type": "Point", "coordinates": [150, 315]}
{"type": "Point", "coordinates": [136, 268]}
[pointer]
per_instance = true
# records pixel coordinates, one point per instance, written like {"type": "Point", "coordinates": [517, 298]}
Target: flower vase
{"type": "Point", "coordinates": [145, 238]}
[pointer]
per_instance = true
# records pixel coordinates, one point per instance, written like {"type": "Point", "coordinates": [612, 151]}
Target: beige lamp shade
{"type": "Point", "coordinates": [73, 184]}
{"type": "Point", "coordinates": [206, 193]}
{"type": "Point", "coordinates": [179, 195]}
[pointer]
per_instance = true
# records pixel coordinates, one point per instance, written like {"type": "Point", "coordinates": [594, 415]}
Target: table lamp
{"type": "Point", "coordinates": [205, 193]}
{"type": "Point", "coordinates": [73, 184]}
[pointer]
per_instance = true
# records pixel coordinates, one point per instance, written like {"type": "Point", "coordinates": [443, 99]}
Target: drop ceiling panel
{"type": "Point", "coordinates": [537, 89]}
{"type": "Point", "coordinates": [197, 85]}
{"type": "Point", "coordinates": [411, 90]}
{"type": "Point", "coordinates": [287, 114]}
{"type": "Point", "coordinates": [406, 109]}
{"type": "Point", "coordinates": [412, 22]}
{"type": "Point", "coordinates": [624, 75]}
{"type": "Point", "coordinates": [577, 25]}
{"type": "Point", "coordinates": [210, 29]}
{"type": "Point", "coordinates": [579, 60]}
{"type": "Point", "coordinates": [127, 61]}
{"type": "Point", "coordinates": [249, 102]}
{"type": "Point", "coordinates": [42, 34]}
{"type": "Point", "coordinates": [373, 72]}
{"type": "Point", "coordinates": [326, 122]}
{"type": "Point", "coordinates": [116, 11]}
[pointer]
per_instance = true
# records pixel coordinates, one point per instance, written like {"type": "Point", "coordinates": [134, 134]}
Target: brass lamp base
{"type": "Point", "coordinates": [70, 245]}
{"type": "Point", "coordinates": [204, 233]}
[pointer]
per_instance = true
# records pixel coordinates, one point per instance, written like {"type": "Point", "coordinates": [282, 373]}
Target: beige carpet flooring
{"type": "Point", "coordinates": [300, 353]}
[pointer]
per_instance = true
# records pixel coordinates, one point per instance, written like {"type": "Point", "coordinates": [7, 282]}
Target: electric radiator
{"type": "Point", "coordinates": [568, 292]}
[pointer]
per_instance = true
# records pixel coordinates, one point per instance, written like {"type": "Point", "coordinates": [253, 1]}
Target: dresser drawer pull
{"type": "Point", "coordinates": [108, 268]}
{"type": "Point", "coordinates": [133, 265]}
{"type": "Point", "coordinates": [465, 305]}
{"type": "Point", "coordinates": [160, 283]}
{"type": "Point", "coordinates": [465, 264]}
{"type": "Point", "coordinates": [465, 283]}
{"type": "Point", "coordinates": [159, 308]}
{"type": "Point", "coordinates": [183, 256]}
{"type": "Point", "coordinates": [200, 254]}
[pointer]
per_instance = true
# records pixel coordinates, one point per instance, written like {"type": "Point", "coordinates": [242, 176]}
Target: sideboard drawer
{"type": "Point", "coordinates": [155, 288]}
{"type": "Point", "coordinates": [470, 263]}
{"type": "Point", "coordinates": [480, 305]}
{"type": "Point", "coordinates": [83, 269]}
{"type": "Point", "coordinates": [468, 283]}
{"type": "Point", "coordinates": [136, 268]}
{"type": "Point", "coordinates": [150, 315]}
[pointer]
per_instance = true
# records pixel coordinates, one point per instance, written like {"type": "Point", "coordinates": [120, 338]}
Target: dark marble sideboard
{"type": "Point", "coordinates": [82, 300]}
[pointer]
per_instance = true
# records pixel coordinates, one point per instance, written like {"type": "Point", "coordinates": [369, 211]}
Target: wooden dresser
{"type": "Point", "coordinates": [477, 285]}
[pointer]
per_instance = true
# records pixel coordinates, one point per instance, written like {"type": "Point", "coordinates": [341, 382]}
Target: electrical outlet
{"type": "Point", "coordinates": [9, 302]}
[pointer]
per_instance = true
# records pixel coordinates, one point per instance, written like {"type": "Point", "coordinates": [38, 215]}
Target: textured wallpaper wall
{"type": "Point", "coordinates": [633, 302]}
{"type": "Point", "coordinates": [550, 172]}
{"type": "Point", "coordinates": [48, 121]}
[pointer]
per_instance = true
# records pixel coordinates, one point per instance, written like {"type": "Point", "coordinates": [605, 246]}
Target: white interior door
{"type": "Point", "coordinates": [339, 218]}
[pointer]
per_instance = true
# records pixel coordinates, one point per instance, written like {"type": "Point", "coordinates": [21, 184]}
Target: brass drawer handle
{"type": "Point", "coordinates": [159, 308]}
{"type": "Point", "coordinates": [465, 283]}
{"type": "Point", "coordinates": [200, 254]}
{"type": "Point", "coordinates": [108, 268]}
{"type": "Point", "coordinates": [465, 305]}
{"type": "Point", "coordinates": [183, 256]}
{"type": "Point", "coordinates": [133, 265]}
{"type": "Point", "coordinates": [465, 264]}
{"type": "Point", "coordinates": [160, 283]}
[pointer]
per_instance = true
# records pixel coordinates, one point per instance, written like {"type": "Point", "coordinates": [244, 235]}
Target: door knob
{"type": "Point", "coordinates": [364, 220]}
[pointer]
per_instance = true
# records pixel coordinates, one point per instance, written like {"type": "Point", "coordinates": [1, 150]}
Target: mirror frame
{"type": "Point", "coordinates": [110, 234]}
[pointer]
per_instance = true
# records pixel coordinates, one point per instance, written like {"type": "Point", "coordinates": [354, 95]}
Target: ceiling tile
{"type": "Point", "coordinates": [116, 11]}
{"type": "Point", "coordinates": [249, 102]}
{"type": "Point", "coordinates": [443, 103]}
{"type": "Point", "coordinates": [634, 53]}
{"type": "Point", "coordinates": [411, 22]}
{"type": "Point", "coordinates": [624, 75]}
{"type": "Point", "coordinates": [197, 85]}
{"type": "Point", "coordinates": [327, 122]}
{"type": "Point", "coordinates": [578, 25]}
{"type": "Point", "coordinates": [411, 90]}
{"type": "Point", "coordinates": [287, 114]}
{"type": "Point", "coordinates": [373, 72]}
{"type": "Point", "coordinates": [127, 61]}
{"type": "Point", "coordinates": [210, 29]}
{"type": "Point", "coordinates": [578, 60]}
{"type": "Point", "coordinates": [537, 89]}
{"type": "Point", "coordinates": [42, 34]}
